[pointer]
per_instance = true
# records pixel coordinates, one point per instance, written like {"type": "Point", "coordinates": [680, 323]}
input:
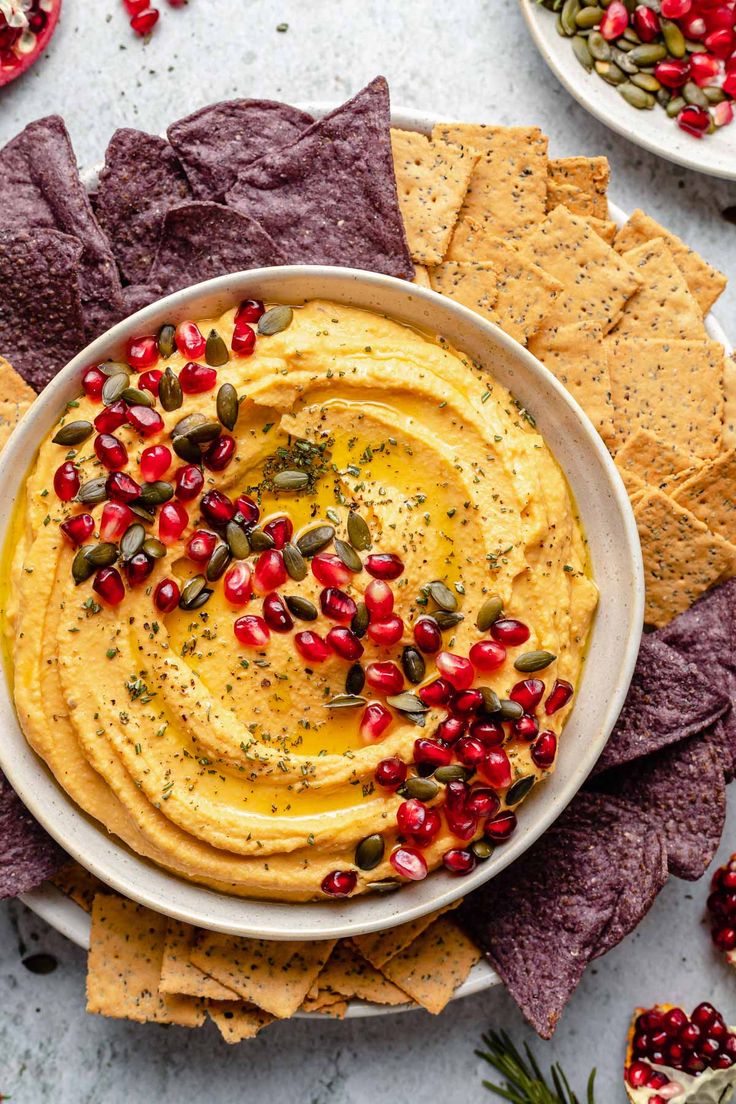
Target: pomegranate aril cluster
{"type": "Point", "coordinates": [669, 1037]}
{"type": "Point", "coordinates": [722, 906]}
{"type": "Point", "coordinates": [143, 16]}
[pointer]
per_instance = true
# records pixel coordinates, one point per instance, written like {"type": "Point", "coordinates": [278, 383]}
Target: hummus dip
{"type": "Point", "coordinates": [387, 620]}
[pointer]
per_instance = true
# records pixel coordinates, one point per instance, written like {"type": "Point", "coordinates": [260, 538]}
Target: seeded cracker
{"type": "Point", "coordinates": [710, 494]}
{"type": "Point", "coordinates": [421, 276]}
{"type": "Point", "coordinates": [507, 195]}
{"type": "Point", "coordinates": [704, 281]}
{"type": "Point", "coordinates": [653, 459]}
{"type": "Point", "coordinates": [682, 557]}
{"type": "Point", "coordinates": [379, 947]}
{"type": "Point", "coordinates": [472, 283]}
{"type": "Point", "coordinates": [433, 966]}
{"type": "Point", "coordinates": [580, 184]}
{"type": "Point", "coordinates": [350, 975]}
{"type": "Point", "coordinates": [178, 972]}
{"type": "Point", "coordinates": [79, 885]}
{"type": "Point", "coordinates": [729, 403]}
{"type": "Point", "coordinates": [596, 281]}
{"type": "Point", "coordinates": [13, 388]}
{"type": "Point", "coordinates": [237, 1021]}
{"type": "Point", "coordinates": [576, 354]}
{"type": "Point", "coordinates": [124, 966]}
{"type": "Point", "coordinates": [672, 388]}
{"type": "Point", "coordinates": [431, 181]}
{"type": "Point", "coordinates": [10, 414]}
{"type": "Point", "coordinates": [604, 228]}
{"type": "Point", "coordinates": [664, 305]}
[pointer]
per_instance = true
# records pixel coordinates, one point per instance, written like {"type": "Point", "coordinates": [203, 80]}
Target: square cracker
{"type": "Point", "coordinates": [11, 412]}
{"type": "Point", "coordinates": [596, 280]}
{"type": "Point", "coordinates": [421, 276]}
{"type": "Point", "coordinates": [508, 188]}
{"type": "Point", "coordinates": [682, 556]}
{"type": "Point", "coordinates": [431, 968]}
{"type": "Point", "coordinates": [472, 283]}
{"type": "Point", "coordinates": [13, 388]}
{"type": "Point", "coordinates": [654, 459]}
{"type": "Point", "coordinates": [580, 184]}
{"type": "Point", "coordinates": [124, 966]}
{"type": "Point", "coordinates": [710, 494]}
{"type": "Point", "coordinates": [576, 355]}
{"type": "Point", "coordinates": [604, 228]}
{"type": "Point", "coordinates": [729, 402]}
{"type": "Point", "coordinates": [672, 388]}
{"type": "Point", "coordinates": [178, 972]}
{"type": "Point", "coordinates": [79, 885]}
{"type": "Point", "coordinates": [237, 1020]}
{"type": "Point", "coordinates": [705, 282]}
{"type": "Point", "coordinates": [431, 180]}
{"type": "Point", "coordinates": [350, 975]}
{"type": "Point", "coordinates": [379, 947]}
{"type": "Point", "coordinates": [663, 306]}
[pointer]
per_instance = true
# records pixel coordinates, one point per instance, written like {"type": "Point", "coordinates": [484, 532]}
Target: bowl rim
{"type": "Point", "coordinates": [168, 893]}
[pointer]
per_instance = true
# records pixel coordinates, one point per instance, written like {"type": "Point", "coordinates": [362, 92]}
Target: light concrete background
{"type": "Point", "coordinates": [470, 59]}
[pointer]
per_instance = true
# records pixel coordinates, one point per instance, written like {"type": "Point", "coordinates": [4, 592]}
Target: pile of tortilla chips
{"type": "Point", "coordinates": [484, 216]}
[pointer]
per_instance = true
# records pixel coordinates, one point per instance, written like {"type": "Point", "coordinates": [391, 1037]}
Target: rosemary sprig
{"type": "Point", "coordinates": [524, 1081]}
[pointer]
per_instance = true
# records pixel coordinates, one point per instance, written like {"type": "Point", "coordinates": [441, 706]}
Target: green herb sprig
{"type": "Point", "coordinates": [524, 1081]}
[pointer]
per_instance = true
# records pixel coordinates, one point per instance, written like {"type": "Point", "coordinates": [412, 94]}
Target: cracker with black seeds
{"type": "Point", "coordinates": [729, 403]}
{"type": "Point", "coordinates": [671, 388]}
{"type": "Point", "coordinates": [178, 972]}
{"type": "Point", "coordinates": [348, 974]}
{"type": "Point", "coordinates": [471, 283]}
{"type": "Point", "coordinates": [28, 855]}
{"type": "Point", "coordinates": [379, 947]}
{"type": "Point", "coordinates": [431, 968]}
{"type": "Point", "coordinates": [663, 306]}
{"type": "Point", "coordinates": [580, 184]}
{"type": "Point", "coordinates": [705, 282]}
{"type": "Point", "coordinates": [655, 460]}
{"type": "Point", "coordinates": [604, 228]}
{"type": "Point", "coordinates": [576, 355]}
{"type": "Point", "coordinates": [238, 1020]}
{"type": "Point", "coordinates": [124, 966]}
{"type": "Point", "coordinates": [13, 388]}
{"type": "Point", "coordinates": [421, 276]}
{"type": "Point", "coordinates": [710, 494]}
{"type": "Point", "coordinates": [78, 885]}
{"type": "Point", "coordinates": [507, 195]}
{"type": "Point", "coordinates": [431, 181]}
{"type": "Point", "coordinates": [10, 414]}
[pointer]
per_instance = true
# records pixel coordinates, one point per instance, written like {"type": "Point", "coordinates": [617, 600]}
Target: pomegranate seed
{"type": "Point", "coordinates": [729, 84]}
{"type": "Point", "coordinates": [386, 632]}
{"type": "Point", "coordinates": [337, 605]}
{"type": "Point", "coordinates": [276, 615]}
{"type": "Point", "coordinates": [189, 340]}
{"type": "Point", "coordinates": [93, 381]}
{"type": "Point", "coordinates": [111, 452]}
{"type": "Point", "coordinates": [559, 696]}
{"type": "Point", "coordinates": [149, 381]}
{"type": "Point", "coordinates": [220, 453]}
{"type": "Point", "coordinates": [470, 751]}
{"type": "Point", "coordinates": [270, 572]}
{"type": "Point", "coordinates": [390, 773]}
{"type": "Point", "coordinates": [657, 1080]}
{"type": "Point", "coordinates": [693, 26]}
{"type": "Point", "coordinates": [691, 1035]}
{"type": "Point", "coordinates": [526, 728]}
{"type": "Point", "coordinates": [385, 677]}
{"type": "Point", "coordinates": [339, 883]}
{"type": "Point", "coordinates": [487, 655]}
{"type": "Point", "coordinates": [456, 796]}
{"type": "Point", "coordinates": [508, 631]}
{"type": "Point", "coordinates": [467, 702]}
{"type": "Point", "coordinates": [650, 1021]}
{"type": "Point", "coordinates": [638, 1074]}
{"type": "Point", "coordinates": [116, 518]}
{"type": "Point", "coordinates": [166, 596]}
{"type": "Point", "coordinates": [704, 1015]}
{"type": "Point", "coordinates": [432, 752]}
{"type": "Point", "coordinates": [311, 646]}
{"type": "Point", "coordinates": [456, 669]}
{"type": "Point", "coordinates": [330, 571]}
{"type": "Point", "coordinates": [66, 481]}
{"type": "Point", "coordinates": [528, 693]}
{"type": "Point", "coordinates": [490, 732]}
{"type": "Point", "coordinates": [145, 421]}
{"type": "Point", "coordinates": [704, 69]}
{"type": "Point", "coordinates": [544, 749]}
{"type": "Point", "coordinates": [428, 831]}
{"type": "Point", "coordinates": [379, 598]}
{"type": "Point", "coordinates": [646, 23]}
{"type": "Point", "coordinates": [252, 631]}
{"type": "Point", "coordinates": [172, 521]}
{"type": "Point", "coordinates": [459, 861]}
{"type": "Point", "coordinates": [724, 938]}
{"type": "Point", "coordinates": [121, 487]}
{"type": "Point", "coordinates": [197, 378]}
{"type": "Point", "coordinates": [244, 339]}
{"type": "Point", "coordinates": [461, 823]}
{"type": "Point", "coordinates": [134, 6]}
{"type": "Point", "coordinates": [109, 585]}
{"type": "Point", "coordinates": [500, 827]}
{"type": "Point", "coordinates": [409, 863]}
{"type": "Point", "coordinates": [434, 693]}
{"type": "Point", "coordinates": [451, 729]}
{"type": "Point", "coordinates": [345, 643]}
{"type": "Point", "coordinates": [672, 73]}
{"type": "Point", "coordinates": [720, 43]}
{"type": "Point", "coordinates": [723, 113]}
{"type": "Point", "coordinates": [188, 482]}
{"type": "Point", "coordinates": [376, 718]}
{"type": "Point", "coordinates": [142, 353]}
{"type": "Point", "coordinates": [675, 9]}
{"type": "Point", "coordinates": [155, 462]}
{"type": "Point", "coordinates": [249, 509]}
{"type": "Point", "coordinates": [427, 635]}
{"type": "Point", "coordinates": [497, 768]}
{"type": "Point", "coordinates": [615, 21]}
{"type": "Point", "coordinates": [280, 529]}
{"type": "Point", "coordinates": [673, 1021]}
{"type": "Point", "coordinates": [217, 508]}
{"type": "Point", "coordinates": [237, 584]}
{"type": "Point", "coordinates": [112, 417]}
{"type": "Point", "coordinates": [138, 568]}
{"type": "Point", "coordinates": [78, 528]}
{"type": "Point", "coordinates": [384, 565]}
{"type": "Point", "coordinates": [250, 310]}
{"type": "Point", "coordinates": [201, 545]}
{"type": "Point", "coordinates": [483, 802]}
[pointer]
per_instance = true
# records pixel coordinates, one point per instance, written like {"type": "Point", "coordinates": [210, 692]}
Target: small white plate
{"type": "Point", "coordinates": [653, 130]}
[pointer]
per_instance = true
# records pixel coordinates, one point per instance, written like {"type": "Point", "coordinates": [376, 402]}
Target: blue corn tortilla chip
{"type": "Point", "coordinates": [41, 322]}
{"type": "Point", "coordinates": [217, 142]}
{"type": "Point", "coordinates": [28, 855]}
{"type": "Point", "coordinates": [141, 180]}
{"type": "Point", "coordinates": [40, 189]}
{"type": "Point", "coordinates": [330, 197]}
{"type": "Point", "coordinates": [202, 240]}
{"type": "Point", "coordinates": [669, 699]}
{"type": "Point", "coordinates": [138, 296]}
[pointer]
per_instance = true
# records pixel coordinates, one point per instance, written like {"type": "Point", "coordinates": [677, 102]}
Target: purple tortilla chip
{"type": "Point", "coordinates": [39, 331]}
{"type": "Point", "coordinates": [202, 240]}
{"type": "Point", "coordinates": [40, 188]}
{"type": "Point", "coordinates": [28, 855]}
{"type": "Point", "coordinates": [330, 196]}
{"type": "Point", "coordinates": [669, 700]}
{"type": "Point", "coordinates": [138, 296]}
{"type": "Point", "coordinates": [215, 143]}
{"type": "Point", "coordinates": [141, 180]}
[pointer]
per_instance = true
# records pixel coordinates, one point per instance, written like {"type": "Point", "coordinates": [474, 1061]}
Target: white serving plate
{"type": "Point", "coordinates": [653, 130]}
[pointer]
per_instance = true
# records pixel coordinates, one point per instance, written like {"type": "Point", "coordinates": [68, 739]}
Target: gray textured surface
{"type": "Point", "coordinates": [472, 60]}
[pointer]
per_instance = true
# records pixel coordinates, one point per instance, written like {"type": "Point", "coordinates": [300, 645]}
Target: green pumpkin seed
{"type": "Point", "coordinates": [369, 852]}
{"type": "Point", "coordinates": [93, 491]}
{"type": "Point", "coordinates": [510, 710]}
{"type": "Point", "coordinates": [407, 703]}
{"type": "Point", "coordinates": [203, 433]}
{"type": "Point", "coordinates": [413, 664]}
{"type": "Point", "coordinates": [73, 433]}
{"type": "Point", "coordinates": [133, 396]}
{"type": "Point", "coordinates": [663, 97]}
{"type": "Point", "coordinates": [114, 368]}
{"type": "Point", "coordinates": [714, 95]}
{"type": "Point", "coordinates": [624, 45]}
{"type": "Point", "coordinates": [186, 450]}
{"type": "Point", "coordinates": [237, 541]}
{"type": "Point", "coordinates": [447, 620]}
{"type": "Point", "coordinates": [581, 50]}
{"type": "Point", "coordinates": [630, 35]}
{"type": "Point", "coordinates": [275, 320]}
{"type": "Point", "coordinates": [313, 541]}
{"type": "Point", "coordinates": [534, 661]}
{"type": "Point", "coordinates": [294, 562]}
{"type": "Point", "coordinates": [611, 73]}
{"type": "Point", "coordinates": [348, 555]}
{"type": "Point", "coordinates": [559, 28]}
{"type": "Point", "coordinates": [386, 886]}
{"type": "Point", "coordinates": [693, 47]}
{"type": "Point", "coordinates": [302, 608]}
{"type": "Point", "coordinates": [215, 352]}
{"type": "Point", "coordinates": [568, 14]}
{"type": "Point", "coordinates": [291, 480]}
{"type": "Point", "coordinates": [442, 596]}
{"type": "Point", "coordinates": [424, 789]}
{"type": "Point", "coordinates": [482, 849]}
{"type": "Point", "coordinates": [355, 679]}
{"type": "Point", "coordinates": [361, 620]}
{"type": "Point", "coordinates": [228, 406]}
{"type": "Point", "coordinates": [647, 81]}
{"type": "Point", "coordinates": [132, 540]}
{"type": "Point", "coordinates": [154, 548]}
{"type": "Point", "coordinates": [636, 97]}
{"type": "Point", "coordinates": [346, 701]}
{"type": "Point", "coordinates": [589, 17]}
{"type": "Point", "coordinates": [491, 700]}
{"type": "Point", "coordinates": [167, 340]}
{"type": "Point", "coordinates": [155, 494]}
{"type": "Point", "coordinates": [673, 37]}
{"type": "Point", "coordinates": [598, 47]}
{"type": "Point", "coordinates": [217, 563]}
{"type": "Point", "coordinates": [113, 387]}
{"type": "Point", "coordinates": [188, 422]}
{"type": "Point", "coordinates": [694, 95]}
{"type": "Point", "coordinates": [82, 568]}
{"type": "Point", "coordinates": [519, 790]}
{"type": "Point", "coordinates": [359, 534]}
{"type": "Point", "coordinates": [489, 612]}
{"type": "Point", "coordinates": [675, 106]}
{"type": "Point", "coordinates": [195, 593]}
{"type": "Point", "coordinates": [170, 394]}
{"type": "Point", "coordinates": [624, 62]}
{"type": "Point", "coordinates": [453, 773]}
{"type": "Point", "coordinates": [649, 53]}
{"type": "Point", "coordinates": [146, 516]}
{"type": "Point", "coordinates": [260, 541]}
{"type": "Point", "coordinates": [102, 555]}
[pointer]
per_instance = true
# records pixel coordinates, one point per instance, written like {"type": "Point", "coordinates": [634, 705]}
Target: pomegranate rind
{"type": "Point", "coordinates": [27, 61]}
{"type": "Point", "coordinates": [709, 1087]}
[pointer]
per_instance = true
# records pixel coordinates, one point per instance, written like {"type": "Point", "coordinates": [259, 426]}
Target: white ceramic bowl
{"type": "Point", "coordinates": [615, 554]}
